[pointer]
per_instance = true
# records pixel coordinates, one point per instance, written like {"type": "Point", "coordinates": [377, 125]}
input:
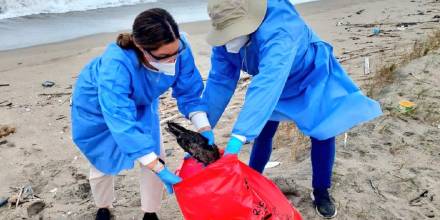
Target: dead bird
{"type": "Point", "coordinates": [194, 144]}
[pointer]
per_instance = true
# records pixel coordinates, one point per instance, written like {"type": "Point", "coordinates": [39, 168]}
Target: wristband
{"type": "Point", "coordinates": [159, 166]}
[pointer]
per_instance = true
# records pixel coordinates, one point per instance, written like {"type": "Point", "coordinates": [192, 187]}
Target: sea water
{"type": "Point", "coordinates": [25, 23]}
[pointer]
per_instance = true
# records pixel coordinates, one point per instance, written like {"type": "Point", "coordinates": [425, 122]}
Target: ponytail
{"type": "Point", "coordinates": [125, 41]}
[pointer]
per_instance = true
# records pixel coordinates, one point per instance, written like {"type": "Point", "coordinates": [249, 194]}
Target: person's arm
{"type": "Point", "coordinates": [120, 113]}
{"type": "Point", "coordinates": [188, 88]}
{"type": "Point", "coordinates": [277, 51]}
{"type": "Point", "coordinates": [221, 84]}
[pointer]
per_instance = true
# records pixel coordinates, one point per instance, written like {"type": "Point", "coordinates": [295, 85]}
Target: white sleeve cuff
{"type": "Point", "coordinates": [239, 137]}
{"type": "Point", "coordinates": [147, 159]}
{"type": "Point", "coordinates": [199, 119]}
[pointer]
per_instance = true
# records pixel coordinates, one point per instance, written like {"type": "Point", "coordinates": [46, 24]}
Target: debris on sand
{"type": "Point", "coordinates": [360, 11]}
{"type": "Point", "coordinates": [60, 117]}
{"type": "Point", "coordinates": [375, 32]}
{"type": "Point", "coordinates": [406, 106]}
{"type": "Point", "coordinates": [367, 66]}
{"type": "Point", "coordinates": [55, 95]}
{"type": "Point", "coordinates": [48, 84]}
{"type": "Point", "coordinates": [35, 207]}
{"type": "Point", "coordinates": [272, 164]}
{"type": "Point", "coordinates": [3, 201]}
{"type": "Point", "coordinates": [194, 144]}
{"type": "Point", "coordinates": [417, 201]}
{"type": "Point", "coordinates": [24, 194]}
{"type": "Point", "coordinates": [6, 130]}
{"type": "Point", "coordinates": [13, 200]}
{"type": "Point", "coordinates": [5, 104]}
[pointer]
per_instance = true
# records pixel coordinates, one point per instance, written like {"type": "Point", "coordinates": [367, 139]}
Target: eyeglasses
{"type": "Point", "coordinates": [182, 48]}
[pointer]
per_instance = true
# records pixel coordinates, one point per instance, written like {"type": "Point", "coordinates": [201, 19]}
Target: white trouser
{"type": "Point", "coordinates": [151, 189]}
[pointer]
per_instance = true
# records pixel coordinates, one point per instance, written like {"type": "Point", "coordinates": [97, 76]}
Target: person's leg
{"type": "Point", "coordinates": [151, 189]}
{"type": "Point", "coordinates": [323, 158]}
{"type": "Point", "coordinates": [102, 187]}
{"type": "Point", "coordinates": [263, 146]}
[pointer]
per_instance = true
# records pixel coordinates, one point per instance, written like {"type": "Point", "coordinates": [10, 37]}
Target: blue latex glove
{"type": "Point", "coordinates": [234, 146]}
{"type": "Point", "coordinates": [169, 179]}
{"type": "Point", "coordinates": [209, 135]}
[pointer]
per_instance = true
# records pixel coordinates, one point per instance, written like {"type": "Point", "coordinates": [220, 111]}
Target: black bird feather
{"type": "Point", "coordinates": [194, 144]}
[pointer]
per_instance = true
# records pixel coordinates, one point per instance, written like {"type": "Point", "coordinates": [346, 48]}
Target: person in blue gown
{"type": "Point", "coordinates": [295, 77]}
{"type": "Point", "coordinates": [115, 107]}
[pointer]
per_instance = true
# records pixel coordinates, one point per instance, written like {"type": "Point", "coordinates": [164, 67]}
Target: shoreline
{"type": "Point", "coordinates": [15, 58]}
{"type": "Point", "coordinates": [56, 20]}
{"type": "Point", "coordinates": [194, 27]}
{"type": "Point", "coordinates": [49, 28]}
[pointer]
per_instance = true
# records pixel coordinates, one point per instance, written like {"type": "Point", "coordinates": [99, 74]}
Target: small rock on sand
{"type": "Point", "coordinates": [48, 84]}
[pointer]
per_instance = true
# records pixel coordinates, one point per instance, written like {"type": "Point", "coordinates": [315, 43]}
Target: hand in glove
{"type": "Point", "coordinates": [234, 146]}
{"type": "Point", "coordinates": [168, 178]}
{"type": "Point", "coordinates": [209, 135]}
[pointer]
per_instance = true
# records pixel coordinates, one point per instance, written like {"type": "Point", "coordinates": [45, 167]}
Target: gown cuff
{"type": "Point", "coordinates": [239, 137]}
{"type": "Point", "coordinates": [147, 159]}
{"type": "Point", "coordinates": [199, 119]}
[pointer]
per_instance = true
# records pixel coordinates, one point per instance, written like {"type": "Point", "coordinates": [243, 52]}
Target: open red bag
{"type": "Point", "coordinates": [230, 190]}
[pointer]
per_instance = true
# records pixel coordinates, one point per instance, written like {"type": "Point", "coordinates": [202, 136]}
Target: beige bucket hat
{"type": "Point", "coordinates": [234, 18]}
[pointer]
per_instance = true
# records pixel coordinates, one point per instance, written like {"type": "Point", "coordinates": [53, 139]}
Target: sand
{"type": "Point", "coordinates": [387, 169]}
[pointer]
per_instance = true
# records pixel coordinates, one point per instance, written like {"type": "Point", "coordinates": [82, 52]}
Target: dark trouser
{"type": "Point", "coordinates": [323, 155]}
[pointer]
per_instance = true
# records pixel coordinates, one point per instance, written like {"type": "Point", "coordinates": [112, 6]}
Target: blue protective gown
{"type": "Point", "coordinates": [295, 77]}
{"type": "Point", "coordinates": [115, 117]}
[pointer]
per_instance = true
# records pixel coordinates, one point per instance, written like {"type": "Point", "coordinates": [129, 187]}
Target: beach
{"type": "Point", "coordinates": [385, 169]}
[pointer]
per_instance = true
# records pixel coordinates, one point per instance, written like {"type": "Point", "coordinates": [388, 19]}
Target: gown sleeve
{"type": "Point", "coordinates": [277, 51]}
{"type": "Point", "coordinates": [221, 84]}
{"type": "Point", "coordinates": [189, 85]}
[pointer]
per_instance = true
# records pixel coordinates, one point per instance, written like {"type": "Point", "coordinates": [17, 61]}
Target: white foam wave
{"type": "Point", "coordinates": [296, 2]}
{"type": "Point", "coordinates": [17, 8]}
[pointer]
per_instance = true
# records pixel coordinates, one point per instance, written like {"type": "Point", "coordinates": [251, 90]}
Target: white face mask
{"type": "Point", "coordinates": [234, 45]}
{"type": "Point", "coordinates": [166, 68]}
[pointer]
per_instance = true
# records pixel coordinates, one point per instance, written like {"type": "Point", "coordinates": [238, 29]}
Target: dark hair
{"type": "Point", "coordinates": [152, 29]}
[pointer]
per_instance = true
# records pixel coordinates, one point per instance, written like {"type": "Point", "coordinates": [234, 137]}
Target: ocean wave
{"type": "Point", "coordinates": [18, 8]}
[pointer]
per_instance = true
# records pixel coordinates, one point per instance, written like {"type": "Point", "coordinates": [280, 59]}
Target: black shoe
{"type": "Point", "coordinates": [103, 214]}
{"type": "Point", "coordinates": [324, 205]}
{"type": "Point", "coordinates": [150, 216]}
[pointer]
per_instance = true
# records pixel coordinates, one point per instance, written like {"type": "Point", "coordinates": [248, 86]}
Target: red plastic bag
{"type": "Point", "coordinates": [230, 190]}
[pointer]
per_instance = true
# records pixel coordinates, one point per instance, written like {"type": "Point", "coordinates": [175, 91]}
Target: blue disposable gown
{"type": "Point", "coordinates": [295, 77]}
{"type": "Point", "coordinates": [115, 117]}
